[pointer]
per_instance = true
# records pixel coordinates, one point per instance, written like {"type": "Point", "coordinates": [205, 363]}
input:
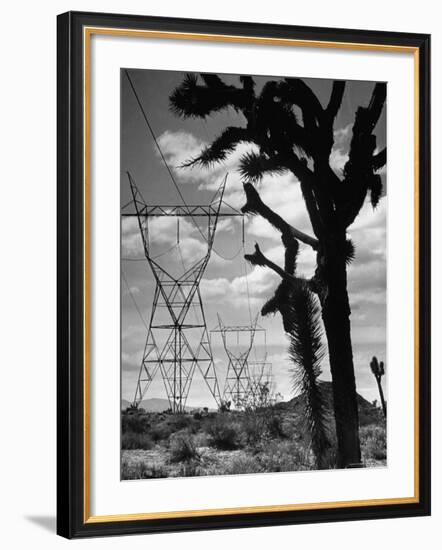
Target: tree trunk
{"type": "Point", "coordinates": [381, 395]}
{"type": "Point", "coordinates": [336, 317]}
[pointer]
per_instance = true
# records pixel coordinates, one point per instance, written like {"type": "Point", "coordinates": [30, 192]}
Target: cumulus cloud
{"type": "Point", "coordinates": [283, 195]}
{"type": "Point", "coordinates": [225, 225]}
{"type": "Point", "coordinates": [180, 147]}
{"type": "Point", "coordinates": [165, 230]}
{"type": "Point", "coordinates": [257, 286]}
{"type": "Point", "coordinates": [163, 239]}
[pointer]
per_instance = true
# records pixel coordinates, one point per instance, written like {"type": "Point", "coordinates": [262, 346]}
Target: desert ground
{"type": "Point", "coordinates": [269, 439]}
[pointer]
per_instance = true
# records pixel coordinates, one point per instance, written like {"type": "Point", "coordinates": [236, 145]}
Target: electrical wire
{"type": "Point", "coordinates": [152, 133]}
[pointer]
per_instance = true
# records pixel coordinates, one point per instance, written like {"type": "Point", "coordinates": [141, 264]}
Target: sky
{"type": "Point", "coordinates": [230, 287]}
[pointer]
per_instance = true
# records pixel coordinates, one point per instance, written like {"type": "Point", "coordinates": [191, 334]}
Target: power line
{"type": "Point", "coordinates": [143, 112]}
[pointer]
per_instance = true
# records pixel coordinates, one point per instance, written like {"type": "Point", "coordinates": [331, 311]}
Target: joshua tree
{"type": "Point", "coordinates": [302, 145]}
{"type": "Point", "coordinates": [378, 369]}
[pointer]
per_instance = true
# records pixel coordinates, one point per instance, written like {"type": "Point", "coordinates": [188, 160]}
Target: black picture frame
{"type": "Point", "coordinates": [71, 518]}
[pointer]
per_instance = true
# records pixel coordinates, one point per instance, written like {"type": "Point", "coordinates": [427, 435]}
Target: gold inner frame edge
{"type": "Point", "coordinates": [87, 33]}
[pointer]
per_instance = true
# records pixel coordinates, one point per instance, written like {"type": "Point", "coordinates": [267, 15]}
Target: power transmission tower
{"type": "Point", "coordinates": [176, 345]}
{"type": "Point", "coordinates": [261, 379]}
{"type": "Point", "coordinates": [238, 385]}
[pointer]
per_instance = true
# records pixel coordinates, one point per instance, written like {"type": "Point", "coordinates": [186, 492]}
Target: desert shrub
{"type": "Point", "coordinates": [201, 439]}
{"type": "Point", "coordinates": [134, 440]}
{"type": "Point", "coordinates": [160, 432]}
{"type": "Point", "coordinates": [137, 423]}
{"type": "Point", "coordinates": [182, 448]}
{"type": "Point", "coordinates": [140, 470]}
{"type": "Point", "coordinates": [274, 425]}
{"type": "Point", "coordinates": [189, 468]}
{"type": "Point", "coordinates": [284, 456]}
{"type": "Point", "coordinates": [373, 442]}
{"type": "Point", "coordinates": [243, 465]}
{"type": "Point", "coordinates": [179, 422]}
{"type": "Point", "coordinates": [134, 470]}
{"type": "Point", "coordinates": [164, 426]}
{"type": "Point", "coordinates": [223, 433]}
{"type": "Point", "coordinates": [253, 426]}
{"type": "Point", "coordinates": [370, 415]}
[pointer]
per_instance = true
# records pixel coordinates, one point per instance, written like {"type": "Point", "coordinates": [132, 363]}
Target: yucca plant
{"type": "Point", "coordinates": [307, 350]}
{"type": "Point", "coordinates": [301, 145]}
{"type": "Point", "coordinates": [378, 370]}
{"type": "Point", "coordinates": [301, 318]}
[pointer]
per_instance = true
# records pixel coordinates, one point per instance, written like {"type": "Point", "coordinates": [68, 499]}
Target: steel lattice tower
{"type": "Point", "coordinates": [260, 375]}
{"type": "Point", "coordinates": [170, 345]}
{"type": "Point", "coordinates": [260, 372]}
{"type": "Point", "coordinates": [238, 384]}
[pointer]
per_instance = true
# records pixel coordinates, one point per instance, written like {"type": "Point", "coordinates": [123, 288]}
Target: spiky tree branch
{"type": "Point", "coordinates": [220, 147]}
{"type": "Point", "coordinates": [253, 166]}
{"type": "Point", "coordinates": [359, 171]}
{"type": "Point", "coordinates": [191, 99]}
{"type": "Point", "coordinates": [258, 258]}
{"type": "Point", "coordinates": [255, 205]}
{"type": "Point", "coordinates": [380, 159]}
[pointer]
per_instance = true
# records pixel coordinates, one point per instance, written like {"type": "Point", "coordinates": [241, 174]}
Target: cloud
{"type": "Point", "coordinates": [180, 147]}
{"type": "Point", "coordinates": [131, 242]}
{"type": "Point", "coordinates": [131, 360]}
{"type": "Point", "coordinates": [339, 153]}
{"type": "Point", "coordinates": [343, 135]}
{"type": "Point", "coordinates": [163, 240]}
{"type": "Point", "coordinates": [283, 195]}
{"type": "Point", "coordinates": [257, 286]}
{"type": "Point", "coordinates": [165, 230]}
{"type": "Point", "coordinates": [191, 250]}
{"type": "Point", "coordinates": [225, 225]}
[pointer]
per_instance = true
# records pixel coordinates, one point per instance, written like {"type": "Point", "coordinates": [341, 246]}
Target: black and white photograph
{"type": "Point", "coordinates": [219, 320]}
{"type": "Point", "coordinates": [253, 274]}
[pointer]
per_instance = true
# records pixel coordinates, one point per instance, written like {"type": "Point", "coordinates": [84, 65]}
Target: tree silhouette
{"type": "Point", "coordinates": [302, 145]}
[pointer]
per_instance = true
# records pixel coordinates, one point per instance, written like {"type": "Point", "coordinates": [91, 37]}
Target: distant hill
{"type": "Point", "coordinates": [124, 404]}
{"type": "Point", "coordinates": [155, 404]}
{"type": "Point", "coordinates": [368, 413]}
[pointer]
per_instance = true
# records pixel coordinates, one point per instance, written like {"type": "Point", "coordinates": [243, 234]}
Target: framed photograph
{"type": "Point", "coordinates": [243, 274]}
